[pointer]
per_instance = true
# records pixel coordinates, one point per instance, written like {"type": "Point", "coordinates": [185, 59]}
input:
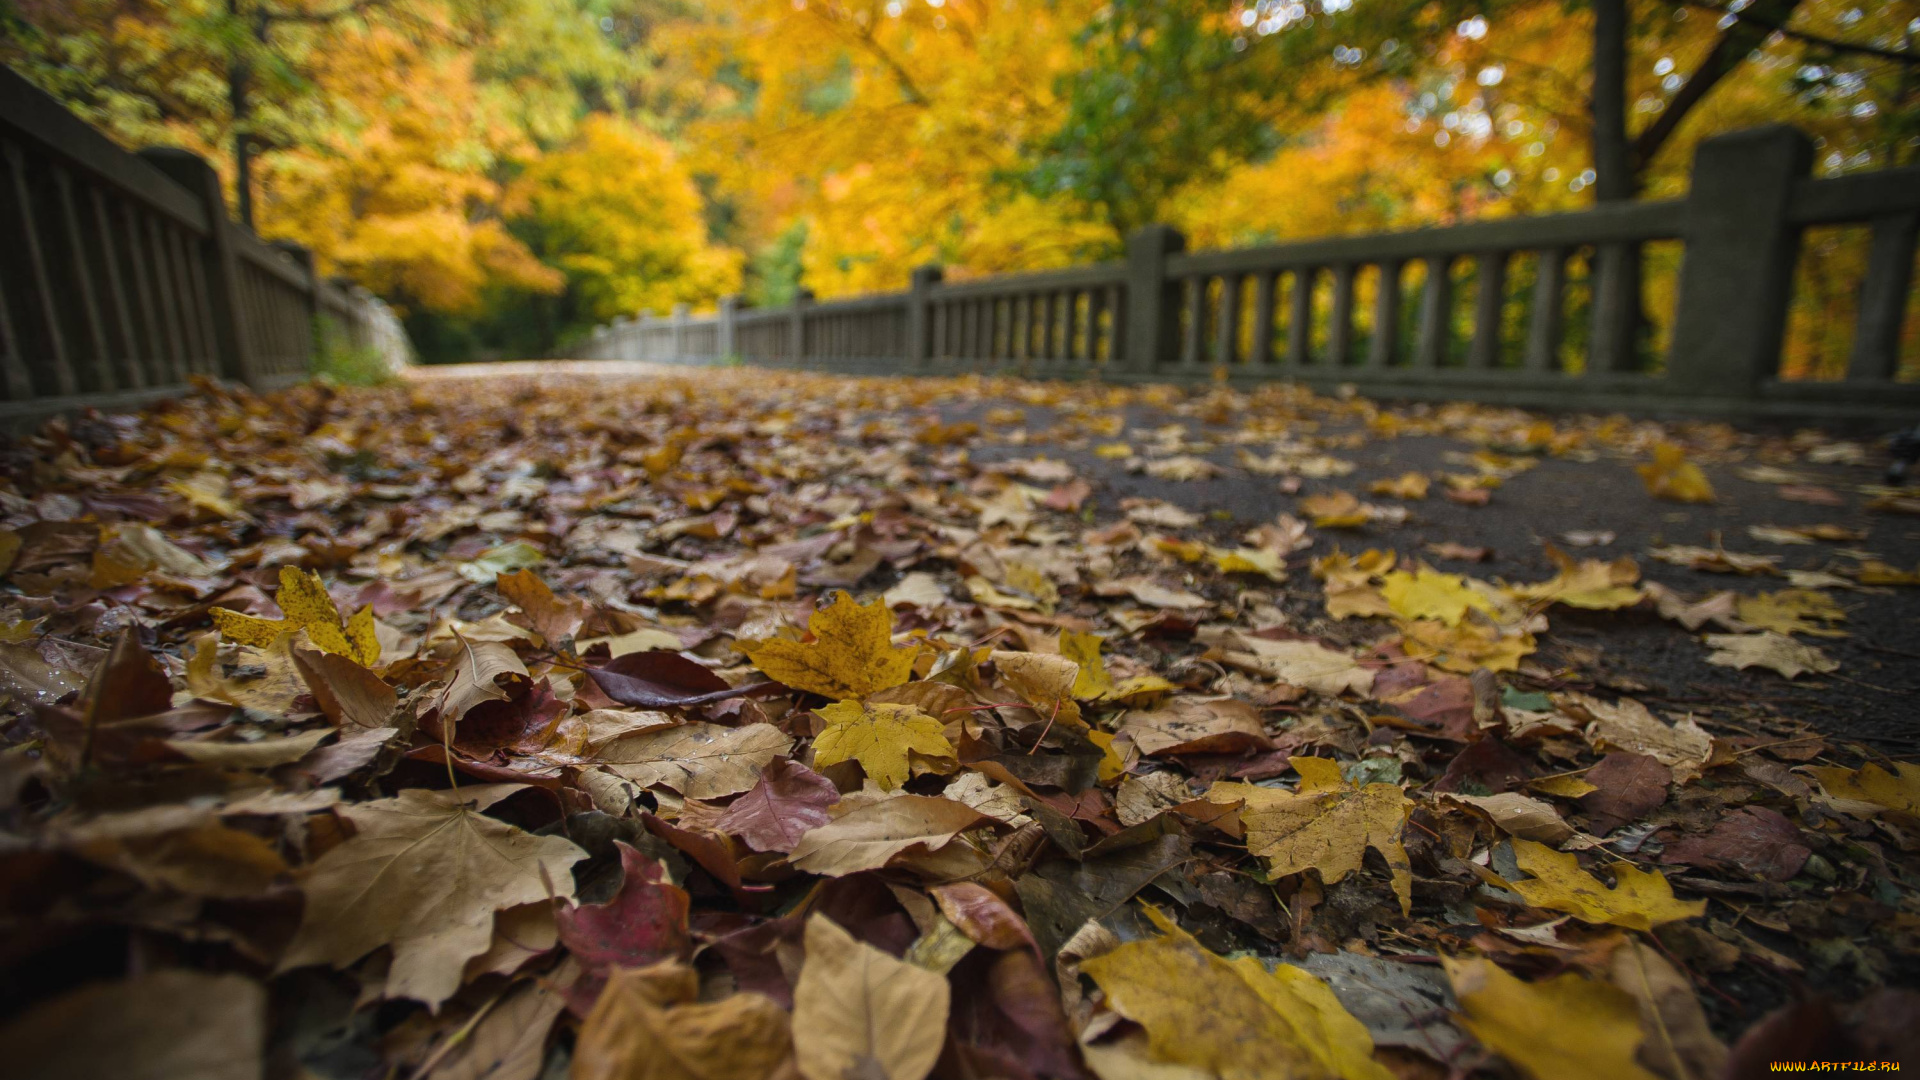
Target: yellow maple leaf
{"type": "Point", "coordinates": [1467, 647]}
{"type": "Point", "coordinates": [878, 736]}
{"type": "Point", "coordinates": [1116, 757]}
{"type": "Point", "coordinates": [1337, 509]}
{"type": "Point", "coordinates": [1430, 594]}
{"type": "Point", "coordinates": [1084, 649]}
{"type": "Point", "coordinates": [1588, 583]}
{"type": "Point", "coordinates": [1232, 1019]}
{"type": "Point", "coordinates": [1095, 683]}
{"type": "Point", "coordinates": [1672, 477]}
{"type": "Point", "coordinates": [1898, 790]}
{"type": "Point", "coordinates": [1265, 562]}
{"type": "Point", "coordinates": [1410, 485]}
{"type": "Point", "coordinates": [303, 599]}
{"type": "Point", "coordinates": [1563, 1028]}
{"type": "Point", "coordinates": [1327, 825]}
{"type": "Point", "coordinates": [1792, 611]}
{"type": "Point", "coordinates": [851, 655]}
{"type": "Point", "coordinates": [1639, 899]}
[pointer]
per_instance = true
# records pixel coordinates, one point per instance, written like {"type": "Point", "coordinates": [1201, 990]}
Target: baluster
{"type": "Point", "coordinates": [1385, 347]}
{"type": "Point", "coordinates": [170, 363]}
{"type": "Point", "coordinates": [1116, 319]}
{"type": "Point", "coordinates": [1090, 347]}
{"type": "Point", "coordinates": [1260, 350]}
{"type": "Point", "coordinates": [119, 285]}
{"type": "Point", "coordinates": [1489, 304]}
{"type": "Point", "coordinates": [1883, 298]}
{"type": "Point", "coordinates": [1616, 307]}
{"type": "Point", "coordinates": [1436, 313]}
{"type": "Point", "coordinates": [1300, 317]}
{"type": "Point", "coordinates": [1196, 320]}
{"type": "Point", "coordinates": [1227, 333]}
{"type": "Point", "coordinates": [50, 372]}
{"type": "Point", "coordinates": [1340, 319]}
{"type": "Point", "coordinates": [1544, 321]}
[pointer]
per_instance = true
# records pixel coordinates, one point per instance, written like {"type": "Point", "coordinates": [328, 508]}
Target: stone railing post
{"type": "Point", "coordinates": [920, 350]}
{"type": "Point", "coordinates": [797, 330]}
{"type": "Point", "coordinates": [192, 172]}
{"type": "Point", "coordinates": [680, 334]}
{"type": "Point", "coordinates": [1736, 276]}
{"type": "Point", "coordinates": [1151, 301]}
{"type": "Point", "coordinates": [724, 315]}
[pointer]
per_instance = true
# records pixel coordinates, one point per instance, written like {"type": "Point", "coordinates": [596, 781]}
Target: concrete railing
{"type": "Point", "coordinates": [121, 276]}
{"type": "Point", "coordinates": [1542, 311]}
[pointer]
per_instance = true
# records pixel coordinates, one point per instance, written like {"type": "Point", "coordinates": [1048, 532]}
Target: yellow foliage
{"type": "Point", "coordinates": [303, 599]}
{"type": "Point", "coordinates": [1639, 899]}
{"type": "Point", "coordinates": [1672, 477]}
{"type": "Point", "coordinates": [1234, 1019]}
{"type": "Point", "coordinates": [1563, 1028]}
{"type": "Point", "coordinates": [1326, 826]}
{"type": "Point", "coordinates": [1898, 791]}
{"type": "Point", "coordinates": [878, 736]}
{"type": "Point", "coordinates": [851, 655]}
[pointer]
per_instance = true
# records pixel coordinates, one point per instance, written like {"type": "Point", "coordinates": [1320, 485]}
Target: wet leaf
{"type": "Point", "coordinates": [1563, 1028]}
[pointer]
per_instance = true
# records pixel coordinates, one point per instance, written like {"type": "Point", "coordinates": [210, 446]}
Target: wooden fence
{"type": "Point", "coordinates": [1546, 311]}
{"type": "Point", "coordinates": [121, 276]}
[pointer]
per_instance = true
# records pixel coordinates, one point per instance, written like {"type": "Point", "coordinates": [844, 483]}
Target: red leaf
{"type": "Point", "coordinates": [663, 679]}
{"type": "Point", "coordinates": [645, 922]}
{"type": "Point", "coordinates": [789, 800]}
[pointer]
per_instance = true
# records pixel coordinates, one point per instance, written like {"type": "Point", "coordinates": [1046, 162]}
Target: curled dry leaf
{"type": "Point", "coordinates": [442, 868]}
{"type": "Point", "coordinates": [1770, 650]}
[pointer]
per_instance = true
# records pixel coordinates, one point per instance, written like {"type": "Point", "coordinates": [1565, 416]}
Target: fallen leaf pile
{"type": "Point", "coordinates": [740, 725]}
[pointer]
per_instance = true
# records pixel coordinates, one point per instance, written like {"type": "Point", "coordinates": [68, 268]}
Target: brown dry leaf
{"type": "Point", "coordinates": [258, 754]}
{"type": "Point", "coordinates": [858, 1012]}
{"type": "Point", "coordinates": [510, 1042]}
{"type": "Point", "coordinates": [1639, 899]}
{"type": "Point", "coordinates": [130, 551]}
{"type": "Point", "coordinates": [1718, 607]}
{"type": "Point", "coordinates": [1563, 1028]}
{"type": "Point", "coordinates": [350, 695]}
{"type": "Point", "coordinates": [1191, 725]}
{"type": "Point", "coordinates": [878, 736]}
{"type": "Point", "coordinates": [1679, 1044]}
{"type": "Point", "coordinates": [1326, 826]}
{"type": "Point", "coordinates": [555, 618]}
{"type": "Point", "coordinates": [1628, 725]}
{"type": "Point", "coordinates": [867, 837]}
{"type": "Point", "coordinates": [1518, 815]}
{"type": "Point", "coordinates": [473, 674]}
{"type": "Point", "coordinates": [648, 1025]}
{"type": "Point", "coordinates": [163, 1025]}
{"type": "Point", "coordinates": [1152, 593]}
{"type": "Point", "coordinates": [1306, 664]}
{"type": "Point", "coordinates": [424, 873]}
{"type": "Point", "coordinates": [698, 760]}
{"type": "Point", "coordinates": [1775, 652]}
{"type": "Point", "coordinates": [1235, 1020]}
{"type": "Point", "coordinates": [851, 655]}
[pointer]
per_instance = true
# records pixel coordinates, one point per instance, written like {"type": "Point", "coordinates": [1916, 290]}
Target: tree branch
{"type": "Point", "coordinates": [1779, 27]}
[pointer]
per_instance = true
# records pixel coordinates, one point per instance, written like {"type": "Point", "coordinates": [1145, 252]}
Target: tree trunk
{"type": "Point", "coordinates": [1614, 177]}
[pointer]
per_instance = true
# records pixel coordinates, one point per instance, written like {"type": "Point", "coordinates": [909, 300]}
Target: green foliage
{"type": "Point", "coordinates": [773, 277]}
{"type": "Point", "coordinates": [342, 363]}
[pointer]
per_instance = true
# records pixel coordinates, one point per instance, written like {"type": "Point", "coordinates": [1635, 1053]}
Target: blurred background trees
{"type": "Point", "coordinates": [510, 173]}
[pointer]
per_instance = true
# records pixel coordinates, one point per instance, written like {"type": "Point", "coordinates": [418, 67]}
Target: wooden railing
{"type": "Point", "coordinates": [121, 276]}
{"type": "Point", "coordinates": [1549, 311]}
